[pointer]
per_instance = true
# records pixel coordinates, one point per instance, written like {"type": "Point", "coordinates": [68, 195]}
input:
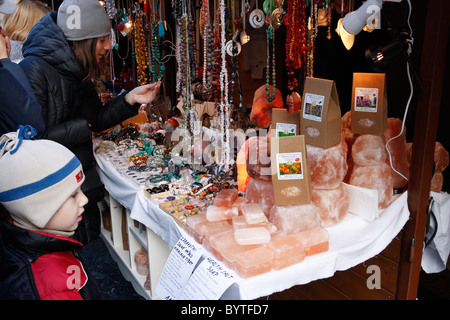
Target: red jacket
{"type": "Point", "coordinates": [39, 265]}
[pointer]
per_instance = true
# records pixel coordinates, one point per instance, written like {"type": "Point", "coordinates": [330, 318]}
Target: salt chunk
{"type": "Point", "coordinates": [328, 166]}
{"type": "Point", "coordinates": [202, 228]}
{"type": "Point", "coordinates": [376, 178]}
{"type": "Point", "coordinates": [287, 251]}
{"type": "Point", "coordinates": [249, 236]}
{"type": "Point", "coordinates": [397, 149]}
{"type": "Point", "coordinates": [229, 253]}
{"type": "Point", "coordinates": [332, 204]}
{"type": "Point", "coordinates": [296, 218]}
{"type": "Point", "coordinates": [215, 213]}
{"type": "Point", "coordinates": [240, 222]}
{"type": "Point", "coordinates": [253, 213]}
{"type": "Point", "coordinates": [258, 159]}
{"type": "Point", "coordinates": [369, 150]}
{"type": "Point", "coordinates": [253, 262]}
{"type": "Point", "coordinates": [238, 204]}
{"type": "Point", "coordinates": [314, 241]}
{"type": "Point", "coordinates": [226, 197]}
{"type": "Point", "coordinates": [261, 192]}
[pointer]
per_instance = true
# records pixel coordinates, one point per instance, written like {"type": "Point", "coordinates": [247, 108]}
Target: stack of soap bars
{"type": "Point", "coordinates": [239, 234]}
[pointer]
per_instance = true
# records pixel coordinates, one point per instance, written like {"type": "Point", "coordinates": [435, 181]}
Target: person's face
{"type": "Point", "coordinates": [103, 46]}
{"type": "Point", "coordinates": [69, 214]}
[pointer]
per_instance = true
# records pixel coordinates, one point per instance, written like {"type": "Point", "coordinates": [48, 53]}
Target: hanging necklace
{"type": "Point", "coordinates": [295, 41]}
{"type": "Point", "coordinates": [312, 33]}
{"type": "Point", "coordinates": [141, 52]}
{"type": "Point", "coordinates": [270, 96]}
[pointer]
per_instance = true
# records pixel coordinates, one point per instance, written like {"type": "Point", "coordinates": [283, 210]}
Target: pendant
{"type": "Point", "coordinates": [256, 18]}
{"type": "Point", "coordinates": [233, 50]}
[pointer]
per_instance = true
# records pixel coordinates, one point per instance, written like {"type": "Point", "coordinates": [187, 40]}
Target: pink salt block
{"type": "Point", "coordinates": [369, 150]}
{"type": "Point", "coordinates": [397, 149]}
{"type": "Point", "coordinates": [314, 241]}
{"type": "Point", "coordinates": [258, 159]}
{"type": "Point", "coordinates": [225, 197]}
{"type": "Point", "coordinates": [215, 213]}
{"type": "Point", "coordinates": [238, 204]}
{"type": "Point", "coordinates": [253, 213]}
{"type": "Point", "coordinates": [192, 221]}
{"type": "Point", "coordinates": [261, 192]}
{"type": "Point", "coordinates": [220, 241]}
{"type": "Point", "coordinates": [287, 251]}
{"type": "Point", "coordinates": [249, 236]}
{"type": "Point", "coordinates": [328, 166]}
{"type": "Point", "coordinates": [240, 222]}
{"type": "Point", "coordinates": [376, 178]}
{"type": "Point", "coordinates": [296, 218]}
{"type": "Point", "coordinates": [441, 161]}
{"type": "Point", "coordinates": [332, 204]}
{"type": "Point", "coordinates": [202, 228]}
{"type": "Point", "coordinates": [254, 262]}
{"type": "Point", "coordinates": [230, 253]}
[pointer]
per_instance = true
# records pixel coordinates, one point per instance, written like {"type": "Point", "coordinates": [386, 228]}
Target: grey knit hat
{"type": "Point", "coordinates": [7, 7]}
{"type": "Point", "coordinates": [83, 19]}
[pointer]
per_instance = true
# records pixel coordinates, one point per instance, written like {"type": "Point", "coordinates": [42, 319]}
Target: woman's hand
{"type": "Point", "coordinates": [143, 94]}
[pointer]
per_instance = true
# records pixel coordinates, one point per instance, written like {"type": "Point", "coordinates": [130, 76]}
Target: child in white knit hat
{"type": "Point", "coordinates": [40, 184]}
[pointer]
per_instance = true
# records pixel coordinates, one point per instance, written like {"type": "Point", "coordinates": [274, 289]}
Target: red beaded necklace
{"type": "Point", "coordinates": [295, 21]}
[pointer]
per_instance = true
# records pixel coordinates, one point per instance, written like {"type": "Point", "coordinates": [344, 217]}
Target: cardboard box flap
{"type": "Point", "coordinates": [321, 113]}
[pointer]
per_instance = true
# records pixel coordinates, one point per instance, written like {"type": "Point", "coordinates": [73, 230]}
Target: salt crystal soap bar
{"type": "Point", "coordinates": [253, 213]}
{"type": "Point", "coordinates": [249, 236]}
{"type": "Point", "coordinates": [254, 262]}
{"type": "Point", "coordinates": [287, 251]}
{"type": "Point", "coordinates": [215, 213]}
{"type": "Point", "coordinates": [314, 240]}
{"type": "Point", "coordinates": [226, 197]}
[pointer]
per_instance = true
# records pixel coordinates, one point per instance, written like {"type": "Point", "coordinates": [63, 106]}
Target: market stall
{"type": "Point", "coordinates": [283, 152]}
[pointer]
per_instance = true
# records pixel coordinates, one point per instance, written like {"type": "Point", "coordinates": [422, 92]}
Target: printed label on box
{"type": "Point", "coordinates": [290, 166]}
{"type": "Point", "coordinates": [286, 129]}
{"type": "Point", "coordinates": [313, 107]}
{"type": "Point", "coordinates": [366, 99]}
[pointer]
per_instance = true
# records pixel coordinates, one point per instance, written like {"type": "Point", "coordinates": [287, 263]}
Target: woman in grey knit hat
{"type": "Point", "coordinates": [63, 52]}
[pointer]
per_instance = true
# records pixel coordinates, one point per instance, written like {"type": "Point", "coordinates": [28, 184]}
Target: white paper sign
{"type": "Point", "coordinates": [178, 268]}
{"type": "Point", "coordinates": [208, 282]}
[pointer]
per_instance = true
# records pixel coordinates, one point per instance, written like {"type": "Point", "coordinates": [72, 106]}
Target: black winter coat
{"type": "Point", "coordinates": [69, 104]}
{"type": "Point", "coordinates": [35, 265]}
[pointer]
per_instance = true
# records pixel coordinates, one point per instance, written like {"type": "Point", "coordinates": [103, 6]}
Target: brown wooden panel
{"type": "Point", "coordinates": [388, 271]}
{"type": "Point", "coordinates": [354, 285]}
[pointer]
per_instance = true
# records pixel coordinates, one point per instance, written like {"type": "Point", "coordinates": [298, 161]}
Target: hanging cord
{"type": "Point", "coordinates": [409, 50]}
{"type": "Point", "coordinates": [12, 141]}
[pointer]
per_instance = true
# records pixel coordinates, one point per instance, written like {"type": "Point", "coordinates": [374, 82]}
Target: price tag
{"type": "Point", "coordinates": [208, 282]}
{"type": "Point", "coordinates": [178, 268]}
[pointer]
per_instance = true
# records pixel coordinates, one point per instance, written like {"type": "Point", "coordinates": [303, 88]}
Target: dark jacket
{"type": "Point", "coordinates": [70, 106]}
{"type": "Point", "coordinates": [18, 105]}
{"type": "Point", "coordinates": [36, 265]}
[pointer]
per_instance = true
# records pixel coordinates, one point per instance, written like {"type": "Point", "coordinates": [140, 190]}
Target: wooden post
{"type": "Point", "coordinates": [426, 121]}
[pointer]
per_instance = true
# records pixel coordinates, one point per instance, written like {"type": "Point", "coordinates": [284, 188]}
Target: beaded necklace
{"type": "Point", "coordinates": [141, 52]}
{"type": "Point", "coordinates": [295, 21]}
{"type": "Point", "coordinates": [312, 33]}
{"type": "Point", "coordinates": [224, 104]}
{"type": "Point", "coordinates": [270, 96]}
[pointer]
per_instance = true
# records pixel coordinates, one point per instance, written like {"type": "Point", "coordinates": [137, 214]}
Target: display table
{"type": "Point", "coordinates": [352, 241]}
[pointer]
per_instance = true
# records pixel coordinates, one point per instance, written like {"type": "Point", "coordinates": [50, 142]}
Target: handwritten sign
{"type": "Point", "coordinates": [208, 282]}
{"type": "Point", "coordinates": [178, 268]}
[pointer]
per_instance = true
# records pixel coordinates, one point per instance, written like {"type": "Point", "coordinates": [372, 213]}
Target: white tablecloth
{"type": "Point", "coordinates": [352, 241]}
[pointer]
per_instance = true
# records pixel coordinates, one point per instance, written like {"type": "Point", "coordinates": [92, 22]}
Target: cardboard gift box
{"type": "Point", "coordinates": [291, 177]}
{"type": "Point", "coordinates": [321, 113]}
{"type": "Point", "coordinates": [369, 103]}
{"type": "Point", "coordinates": [285, 124]}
